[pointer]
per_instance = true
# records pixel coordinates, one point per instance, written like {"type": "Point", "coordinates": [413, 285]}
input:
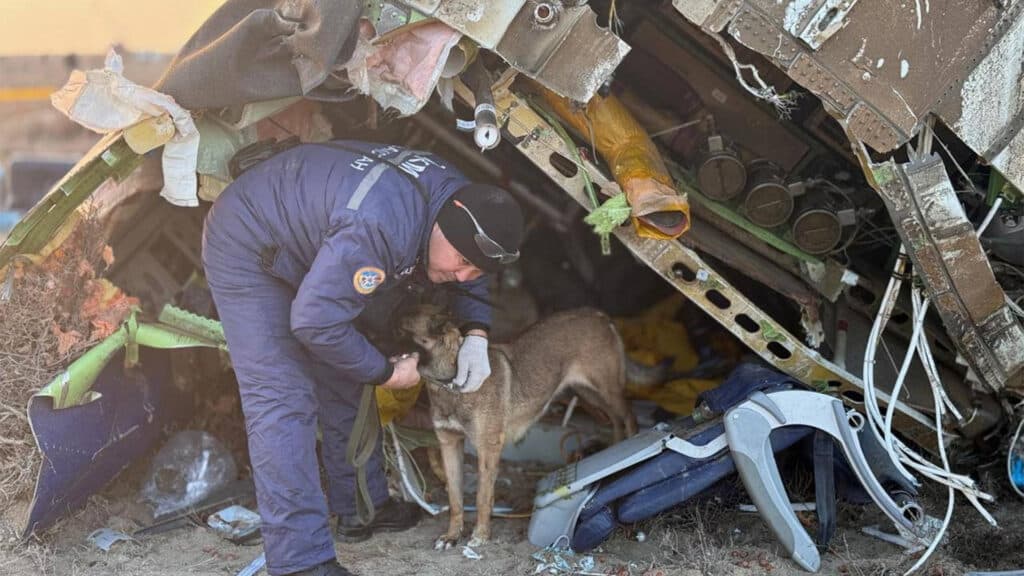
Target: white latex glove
{"type": "Point", "coordinates": [473, 365]}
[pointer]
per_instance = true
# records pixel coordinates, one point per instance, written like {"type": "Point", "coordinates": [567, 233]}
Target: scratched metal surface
{"type": "Point", "coordinates": [891, 63]}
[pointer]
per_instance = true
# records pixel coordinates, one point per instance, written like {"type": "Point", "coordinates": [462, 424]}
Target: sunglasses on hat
{"type": "Point", "coordinates": [486, 244]}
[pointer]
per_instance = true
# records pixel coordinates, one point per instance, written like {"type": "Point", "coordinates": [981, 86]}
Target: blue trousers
{"type": "Point", "coordinates": [286, 393]}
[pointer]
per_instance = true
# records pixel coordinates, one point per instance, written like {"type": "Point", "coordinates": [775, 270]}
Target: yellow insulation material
{"type": "Point", "coordinates": [651, 338]}
{"type": "Point", "coordinates": [658, 209]}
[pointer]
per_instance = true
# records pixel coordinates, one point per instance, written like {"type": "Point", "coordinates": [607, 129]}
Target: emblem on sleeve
{"type": "Point", "coordinates": [367, 279]}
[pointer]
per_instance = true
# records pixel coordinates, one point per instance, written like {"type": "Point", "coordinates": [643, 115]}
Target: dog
{"type": "Point", "coordinates": [577, 350]}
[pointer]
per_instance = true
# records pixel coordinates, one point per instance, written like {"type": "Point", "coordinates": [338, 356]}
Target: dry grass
{"type": "Point", "coordinates": [854, 564]}
{"type": "Point", "coordinates": [17, 557]}
{"type": "Point", "coordinates": [688, 538]}
{"type": "Point", "coordinates": [56, 311]}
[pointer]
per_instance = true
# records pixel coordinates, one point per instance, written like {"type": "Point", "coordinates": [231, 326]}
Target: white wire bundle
{"type": "Point", "coordinates": [412, 478]}
{"type": "Point", "coordinates": [902, 455]}
{"type": "Point", "coordinates": [784, 103]}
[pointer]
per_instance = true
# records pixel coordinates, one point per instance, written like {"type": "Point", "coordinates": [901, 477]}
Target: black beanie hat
{"type": "Point", "coordinates": [497, 213]}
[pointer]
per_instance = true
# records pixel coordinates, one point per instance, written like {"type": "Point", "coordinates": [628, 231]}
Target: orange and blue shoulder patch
{"type": "Point", "coordinates": [367, 279]}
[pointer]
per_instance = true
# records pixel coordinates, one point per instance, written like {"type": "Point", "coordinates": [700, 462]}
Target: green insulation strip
{"type": "Point", "coordinates": [606, 244]}
{"type": "Point", "coordinates": [684, 183]}
{"type": "Point", "coordinates": [193, 324]}
{"type": "Point", "coordinates": [995, 186]}
{"type": "Point", "coordinates": [998, 186]}
{"type": "Point", "coordinates": [73, 386]}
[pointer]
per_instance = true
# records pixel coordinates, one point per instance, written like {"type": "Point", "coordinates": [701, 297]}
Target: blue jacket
{"type": "Point", "coordinates": [340, 225]}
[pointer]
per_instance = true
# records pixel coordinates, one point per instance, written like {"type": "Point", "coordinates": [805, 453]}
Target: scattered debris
{"type": "Point", "coordinates": [255, 566]}
{"type": "Point", "coordinates": [104, 538]}
{"type": "Point", "coordinates": [235, 523]}
{"type": "Point", "coordinates": [470, 553]}
{"type": "Point", "coordinates": [240, 491]}
{"type": "Point", "coordinates": [911, 547]}
{"type": "Point", "coordinates": [562, 560]}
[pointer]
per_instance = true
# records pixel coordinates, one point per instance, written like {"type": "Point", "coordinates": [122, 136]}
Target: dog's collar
{"type": "Point", "coordinates": [449, 386]}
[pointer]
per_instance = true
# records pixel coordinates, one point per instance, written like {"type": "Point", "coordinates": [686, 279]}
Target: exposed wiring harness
{"type": "Point", "coordinates": [784, 103]}
{"type": "Point", "coordinates": [905, 457]}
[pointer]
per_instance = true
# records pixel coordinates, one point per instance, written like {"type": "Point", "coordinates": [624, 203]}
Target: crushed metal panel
{"type": "Point", "coordinates": [559, 45]}
{"type": "Point", "coordinates": [84, 447]}
{"type": "Point", "coordinates": [949, 258]}
{"type": "Point", "coordinates": [899, 61]}
{"type": "Point", "coordinates": [572, 56]}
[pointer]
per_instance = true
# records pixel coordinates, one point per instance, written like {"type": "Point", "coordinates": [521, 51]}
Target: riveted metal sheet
{"type": "Point", "coordinates": [869, 127]}
{"type": "Point", "coordinates": [484, 21]}
{"type": "Point", "coordinates": [813, 76]}
{"type": "Point", "coordinates": [815, 21]}
{"type": "Point", "coordinates": [674, 262]}
{"type": "Point", "coordinates": [754, 31]}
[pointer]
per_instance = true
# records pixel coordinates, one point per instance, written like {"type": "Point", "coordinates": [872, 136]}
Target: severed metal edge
{"type": "Point", "coordinates": [949, 258]}
{"type": "Point", "coordinates": [674, 262]}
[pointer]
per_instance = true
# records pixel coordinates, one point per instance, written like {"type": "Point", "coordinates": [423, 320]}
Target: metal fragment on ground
{"type": "Point", "coordinates": [255, 566]}
{"type": "Point", "coordinates": [235, 523]}
{"type": "Point", "coordinates": [105, 538]}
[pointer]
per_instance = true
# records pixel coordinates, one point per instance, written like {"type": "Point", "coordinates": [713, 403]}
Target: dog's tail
{"type": "Point", "coordinates": [640, 374]}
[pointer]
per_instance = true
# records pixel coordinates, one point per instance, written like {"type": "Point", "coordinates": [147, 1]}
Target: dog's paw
{"type": "Point", "coordinates": [480, 537]}
{"type": "Point", "coordinates": [446, 542]}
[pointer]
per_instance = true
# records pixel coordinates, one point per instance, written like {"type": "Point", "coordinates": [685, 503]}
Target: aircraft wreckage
{"type": "Point", "coordinates": [815, 175]}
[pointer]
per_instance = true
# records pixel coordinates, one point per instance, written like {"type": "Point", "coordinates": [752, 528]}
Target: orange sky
{"type": "Point", "coordinates": [90, 26]}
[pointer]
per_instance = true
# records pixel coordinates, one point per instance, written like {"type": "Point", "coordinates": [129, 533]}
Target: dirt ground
{"type": "Point", "coordinates": [710, 538]}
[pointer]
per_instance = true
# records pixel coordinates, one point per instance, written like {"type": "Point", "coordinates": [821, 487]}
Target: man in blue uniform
{"type": "Point", "coordinates": [295, 250]}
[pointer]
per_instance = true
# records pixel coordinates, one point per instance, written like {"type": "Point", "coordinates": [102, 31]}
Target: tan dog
{"type": "Point", "coordinates": [578, 350]}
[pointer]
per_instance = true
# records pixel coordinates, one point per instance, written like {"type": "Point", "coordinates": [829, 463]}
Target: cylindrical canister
{"type": "Point", "coordinates": [721, 175]}
{"type": "Point", "coordinates": [768, 203]}
{"type": "Point", "coordinates": [817, 227]}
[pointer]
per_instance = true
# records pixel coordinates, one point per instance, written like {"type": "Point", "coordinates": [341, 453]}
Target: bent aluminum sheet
{"type": "Point", "coordinates": [84, 447]}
